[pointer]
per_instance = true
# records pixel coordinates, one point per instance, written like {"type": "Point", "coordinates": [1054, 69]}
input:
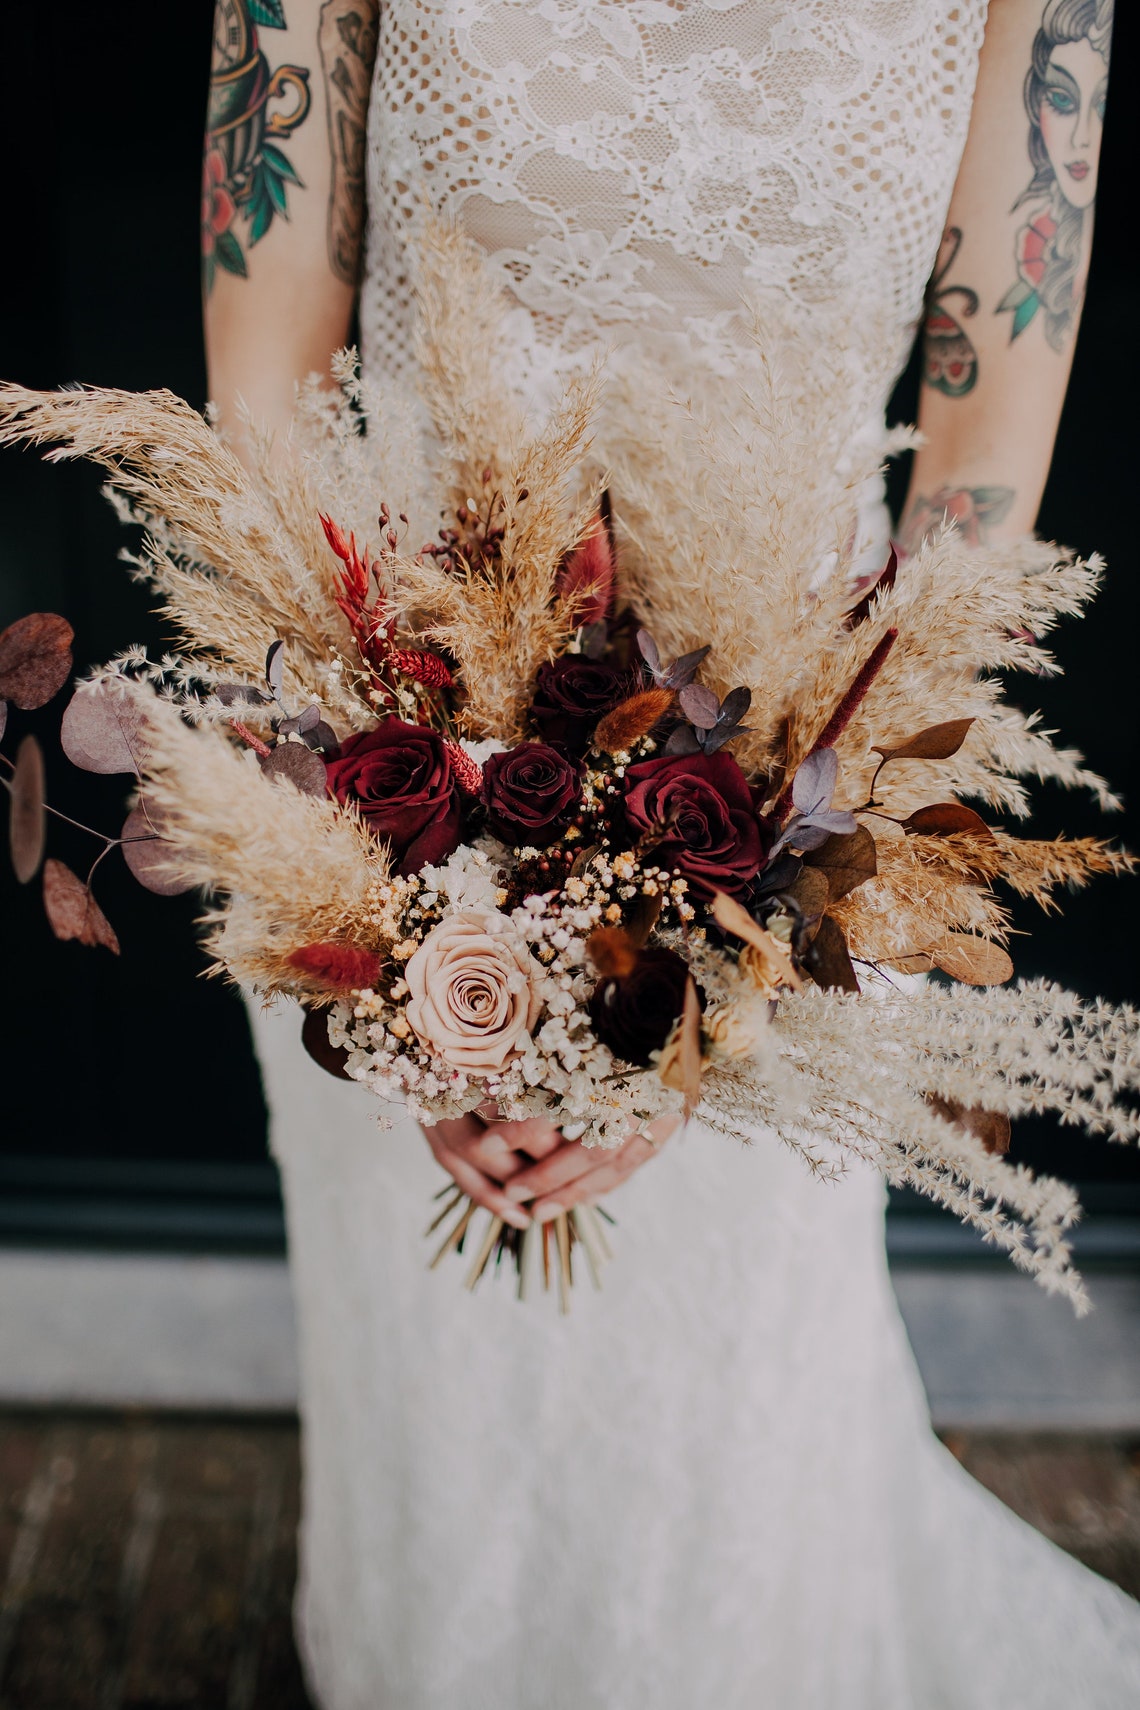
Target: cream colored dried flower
{"type": "Point", "coordinates": [474, 997]}
{"type": "Point", "coordinates": [730, 1031]}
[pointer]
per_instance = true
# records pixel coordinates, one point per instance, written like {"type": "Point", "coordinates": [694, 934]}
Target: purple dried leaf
{"type": "Point", "coordinates": [682, 671]}
{"type": "Point", "coordinates": [734, 706]}
{"type": "Point", "coordinates": [304, 769]}
{"type": "Point", "coordinates": [3, 718]}
{"type": "Point", "coordinates": [683, 741]}
{"type": "Point", "coordinates": [647, 647]}
{"type": "Point", "coordinates": [27, 817]}
{"type": "Point", "coordinates": [103, 730]}
{"type": "Point", "coordinates": [241, 694]}
{"type": "Point", "coordinates": [35, 659]}
{"type": "Point", "coordinates": [275, 667]}
{"type": "Point", "coordinates": [321, 737]}
{"type": "Point", "coordinates": [699, 705]}
{"type": "Point", "coordinates": [780, 874]}
{"type": "Point", "coordinates": [148, 854]}
{"type": "Point", "coordinates": [720, 734]}
{"type": "Point", "coordinates": [814, 783]}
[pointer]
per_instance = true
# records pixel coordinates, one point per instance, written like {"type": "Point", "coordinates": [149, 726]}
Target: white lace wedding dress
{"type": "Point", "coordinates": [713, 1486]}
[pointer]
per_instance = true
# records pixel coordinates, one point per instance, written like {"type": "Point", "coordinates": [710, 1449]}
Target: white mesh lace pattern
{"type": "Point", "coordinates": [633, 168]}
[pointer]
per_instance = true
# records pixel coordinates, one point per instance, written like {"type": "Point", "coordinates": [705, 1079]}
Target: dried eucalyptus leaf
{"type": "Point", "coordinates": [814, 783]}
{"type": "Point", "coordinates": [991, 1127]}
{"type": "Point", "coordinates": [828, 958]}
{"type": "Point", "coordinates": [734, 706]}
{"type": "Point", "coordinates": [780, 874]}
{"type": "Point", "coordinates": [942, 819]}
{"type": "Point", "coordinates": [148, 854]}
{"type": "Point", "coordinates": [647, 647]}
{"type": "Point", "coordinates": [72, 911]}
{"type": "Point", "coordinates": [322, 737]}
{"type": "Point", "coordinates": [936, 742]}
{"type": "Point", "coordinates": [275, 667]}
{"type": "Point", "coordinates": [682, 671]}
{"type": "Point", "coordinates": [847, 860]}
{"type": "Point", "coordinates": [683, 741]}
{"type": "Point", "coordinates": [304, 769]}
{"type": "Point", "coordinates": [3, 718]}
{"type": "Point", "coordinates": [719, 735]}
{"type": "Point", "coordinates": [974, 961]}
{"type": "Point", "coordinates": [240, 694]}
{"type": "Point", "coordinates": [104, 729]}
{"type": "Point", "coordinates": [35, 659]}
{"type": "Point", "coordinates": [27, 817]}
{"type": "Point", "coordinates": [699, 705]}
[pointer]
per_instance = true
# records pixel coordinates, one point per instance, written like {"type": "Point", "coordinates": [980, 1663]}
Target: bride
{"type": "Point", "coordinates": [713, 1485]}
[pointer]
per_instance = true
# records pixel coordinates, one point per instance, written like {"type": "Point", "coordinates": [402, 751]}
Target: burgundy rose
{"type": "Point", "coordinates": [634, 1014]}
{"type": "Point", "coordinates": [571, 695]}
{"type": "Point", "coordinates": [530, 793]}
{"type": "Point", "coordinates": [400, 778]}
{"type": "Point", "coordinates": [701, 806]}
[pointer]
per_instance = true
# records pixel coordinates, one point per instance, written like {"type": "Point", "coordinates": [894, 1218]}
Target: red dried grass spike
{"type": "Point", "coordinates": [343, 966]}
{"type": "Point", "coordinates": [468, 773]}
{"type": "Point", "coordinates": [586, 580]}
{"type": "Point", "coordinates": [421, 666]}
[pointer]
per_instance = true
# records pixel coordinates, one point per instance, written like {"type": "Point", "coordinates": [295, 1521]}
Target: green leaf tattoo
{"type": "Point", "coordinates": [244, 174]}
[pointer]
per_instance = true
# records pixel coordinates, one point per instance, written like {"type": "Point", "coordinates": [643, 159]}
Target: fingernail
{"type": "Point", "coordinates": [517, 1219]}
{"type": "Point", "coordinates": [519, 1194]}
{"type": "Point", "coordinates": [548, 1213]}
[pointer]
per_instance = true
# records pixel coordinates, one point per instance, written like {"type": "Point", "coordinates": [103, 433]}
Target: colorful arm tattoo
{"type": "Point", "coordinates": [1065, 90]}
{"type": "Point", "coordinates": [976, 510]}
{"type": "Point", "coordinates": [347, 41]}
{"type": "Point", "coordinates": [949, 360]}
{"type": "Point", "coordinates": [245, 173]}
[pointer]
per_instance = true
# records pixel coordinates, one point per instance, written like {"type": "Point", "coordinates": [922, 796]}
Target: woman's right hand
{"type": "Point", "coordinates": [479, 1159]}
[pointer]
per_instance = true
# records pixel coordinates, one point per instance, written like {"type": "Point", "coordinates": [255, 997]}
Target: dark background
{"type": "Point", "coordinates": [132, 1110]}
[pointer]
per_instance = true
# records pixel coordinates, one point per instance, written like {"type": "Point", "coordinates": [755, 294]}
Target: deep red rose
{"type": "Point", "coordinates": [400, 778]}
{"type": "Point", "coordinates": [571, 695]}
{"type": "Point", "coordinates": [634, 1014]}
{"type": "Point", "coordinates": [530, 793]}
{"type": "Point", "coordinates": [702, 806]}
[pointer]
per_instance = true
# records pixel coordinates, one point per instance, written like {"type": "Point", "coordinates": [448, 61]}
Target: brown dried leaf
{"type": "Point", "coordinates": [72, 911]}
{"type": "Point", "coordinates": [150, 860]}
{"type": "Point", "coordinates": [974, 961]}
{"type": "Point", "coordinates": [104, 729]}
{"type": "Point", "coordinates": [847, 860]}
{"type": "Point", "coordinates": [303, 769]}
{"type": "Point", "coordinates": [644, 913]}
{"type": "Point", "coordinates": [682, 1064]}
{"type": "Point", "coordinates": [582, 860]}
{"type": "Point", "coordinates": [35, 659]}
{"type": "Point", "coordinates": [828, 958]}
{"type": "Point", "coordinates": [315, 1039]}
{"type": "Point", "coordinates": [936, 742]}
{"type": "Point", "coordinates": [991, 1127]}
{"type": "Point", "coordinates": [942, 819]}
{"type": "Point", "coordinates": [27, 816]}
{"type": "Point", "coordinates": [810, 891]}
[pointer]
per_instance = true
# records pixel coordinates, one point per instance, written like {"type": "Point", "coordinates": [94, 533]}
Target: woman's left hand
{"type": "Point", "coordinates": [574, 1174]}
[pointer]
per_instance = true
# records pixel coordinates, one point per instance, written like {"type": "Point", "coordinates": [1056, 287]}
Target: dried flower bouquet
{"type": "Point", "coordinates": [594, 812]}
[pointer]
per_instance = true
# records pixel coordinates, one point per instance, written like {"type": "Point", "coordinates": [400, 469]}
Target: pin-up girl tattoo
{"type": "Point", "coordinates": [1065, 92]}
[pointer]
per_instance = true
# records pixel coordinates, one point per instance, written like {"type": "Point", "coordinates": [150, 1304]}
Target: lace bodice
{"type": "Point", "coordinates": [635, 169]}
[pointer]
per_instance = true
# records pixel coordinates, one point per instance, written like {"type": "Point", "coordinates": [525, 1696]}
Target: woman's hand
{"type": "Point", "coordinates": [481, 1154]}
{"type": "Point", "coordinates": [572, 1174]}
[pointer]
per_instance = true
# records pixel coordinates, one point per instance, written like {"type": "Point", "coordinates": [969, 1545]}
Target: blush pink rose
{"type": "Point", "coordinates": [472, 997]}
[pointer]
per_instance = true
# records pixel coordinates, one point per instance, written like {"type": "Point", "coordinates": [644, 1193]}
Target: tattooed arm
{"type": "Point", "coordinates": [282, 193]}
{"type": "Point", "coordinates": [1005, 299]}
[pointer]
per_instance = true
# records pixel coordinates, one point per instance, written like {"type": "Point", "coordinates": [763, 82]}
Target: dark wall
{"type": "Point", "coordinates": [141, 1058]}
